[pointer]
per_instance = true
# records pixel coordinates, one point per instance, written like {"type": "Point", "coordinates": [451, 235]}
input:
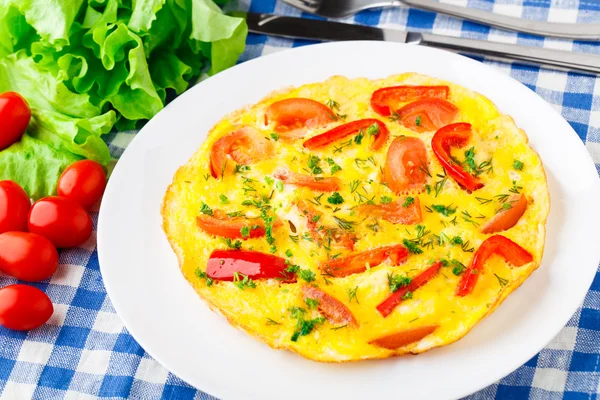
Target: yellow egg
{"type": "Point", "coordinates": [505, 164]}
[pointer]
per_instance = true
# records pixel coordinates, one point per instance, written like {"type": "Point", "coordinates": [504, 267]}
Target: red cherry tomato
{"type": "Point", "coordinates": [61, 220]}
{"type": "Point", "coordinates": [83, 182]}
{"type": "Point", "coordinates": [27, 256]}
{"type": "Point", "coordinates": [24, 307]}
{"type": "Point", "coordinates": [14, 118]}
{"type": "Point", "coordinates": [14, 206]}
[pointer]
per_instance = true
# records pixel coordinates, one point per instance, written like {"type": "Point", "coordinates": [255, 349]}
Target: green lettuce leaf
{"type": "Point", "coordinates": [35, 165]}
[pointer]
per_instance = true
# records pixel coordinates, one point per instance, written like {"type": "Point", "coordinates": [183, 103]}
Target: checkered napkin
{"type": "Point", "coordinates": [85, 352]}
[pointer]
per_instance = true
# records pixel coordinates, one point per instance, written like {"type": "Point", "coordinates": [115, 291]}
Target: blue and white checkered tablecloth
{"type": "Point", "coordinates": [85, 352]}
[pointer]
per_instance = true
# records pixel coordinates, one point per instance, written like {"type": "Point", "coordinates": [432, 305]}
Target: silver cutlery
{"type": "Point", "coordinates": [302, 28]}
{"type": "Point", "coordinates": [344, 8]}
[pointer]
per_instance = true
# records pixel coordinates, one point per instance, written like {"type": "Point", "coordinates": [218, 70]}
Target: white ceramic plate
{"type": "Point", "coordinates": [170, 321]}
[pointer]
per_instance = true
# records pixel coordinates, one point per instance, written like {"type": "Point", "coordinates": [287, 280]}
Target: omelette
{"type": "Point", "coordinates": [357, 219]}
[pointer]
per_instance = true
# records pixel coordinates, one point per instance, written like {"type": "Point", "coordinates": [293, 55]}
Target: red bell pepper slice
{"type": "Point", "coordinates": [497, 244]}
{"type": "Point", "coordinates": [387, 99]}
{"type": "Point", "coordinates": [335, 311]}
{"type": "Point", "coordinates": [454, 135]}
{"type": "Point", "coordinates": [340, 132]}
{"type": "Point", "coordinates": [224, 264]}
{"type": "Point", "coordinates": [389, 304]}
{"type": "Point", "coordinates": [508, 217]}
{"type": "Point", "coordinates": [356, 263]}
{"type": "Point", "coordinates": [404, 338]}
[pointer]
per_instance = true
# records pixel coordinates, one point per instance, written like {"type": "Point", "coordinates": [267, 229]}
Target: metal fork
{"type": "Point", "coordinates": [344, 8]}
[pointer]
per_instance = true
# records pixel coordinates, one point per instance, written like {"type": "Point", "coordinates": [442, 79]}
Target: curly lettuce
{"type": "Point", "coordinates": [89, 66]}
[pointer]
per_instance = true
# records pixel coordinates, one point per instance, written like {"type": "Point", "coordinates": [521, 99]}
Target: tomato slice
{"type": "Point", "coordinates": [497, 244]}
{"type": "Point", "coordinates": [395, 212]}
{"type": "Point", "coordinates": [506, 218]}
{"type": "Point", "coordinates": [387, 306]}
{"type": "Point", "coordinates": [335, 311]}
{"type": "Point", "coordinates": [298, 113]}
{"type": "Point", "coordinates": [244, 146]}
{"type": "Point", "coordinates": [386, 99]}
{"type": "Point", "coordinates": [404, 338]}
{"type": "Point", "coordinates": [319, 233]}
{"type": "Point", "coordinates": [330, 184]}
{"type": "Point", "coordinates": [427, 114]}
{"type": "Point", "coordinates": [224, 264]}
{"type": "Point", "coordinates": [406, 165]}
{"type": "Point", "coordinates": [219, 224]}
{"type": "Point", "coordinates": [454, 135]}
{"type": "Point", "coordinates": [340, 132]}
{"type": "Point", "coordinates": [356, 263]}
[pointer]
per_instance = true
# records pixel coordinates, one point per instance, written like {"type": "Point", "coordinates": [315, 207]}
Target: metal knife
{"type": "Point", "coordinates": [302, 28]}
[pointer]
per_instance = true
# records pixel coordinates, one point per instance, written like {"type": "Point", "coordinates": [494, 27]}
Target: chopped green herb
{"type": "Point", "coordinates": [274, 136]}
{"type": "Point", "coordinates": [354, 185]}
{"type": "Point", "coordinates": [502, 197]}
{"type": "Point", "coordinates": [269, 180]}
{"type": "Point", "coordinates": [338, 149]}
{"type": "Point", "coordinates": [241, 168]}
{"type": "Point", "coordinates": [412, 247]}
{"type": "Point", "coordinates": [303, 327]}
{"type": "Point", "coordinates": [344, 223]}
{"type": "Point", "coordinates": [271, 321]}
{"type": "Point", "coordinates": [439, 185]}
{"type": "Point", "coordinates": [313, 164]}
{"type": "Point", "coordinates": [237, 245]}
{"type": "Point", "coordinates": [418, 121]}
{"type": "Point", "coordinates": [457, 240]}
{"type": "Point", "coordinates": [245, 231]}
{"type": "Point", "coordinates": [335, 198]}
{"type": "Point", "coordinates": [396, 282]}
{"type": "Point", "coordinates": [224, 199]}
{"type": "Point", "coordinates": [352, 295]}
{"type": "Point", "coordinates": [311, 303]}
{"type": "Point", "coordinates": [202, 275]}
{"type": "Point", "coordinates": [306, 274]}
{"type": "Point", "coordinates": [457, 267]}
{"type": "Point", "coordinates": [506, 206]}
{"type": "Point", "coordinates": [205, 209]}
{"type": "Point", "coordinates": [339, 327]}
{"type": "Point", "coordinates": [407, 296]}
{"type": "Point", "coordinates": [373, 129]}
{"type": "Point", "coordinates": [359, 137]}
{"type": "Point", "coordinates": [408, 201]}
{"type": "Point", "coordinates": [244, 282]}
{"type": "Point", "coordinates": [515, 189]}
{"type": "Point", "coordinates": [386, 199]}
{"type": "Point", "coordinates": [444, 210]}
{"type": "Point", "coordinates": [316, 218]}
{"type": "Point", "coordinates": [502, 281]}
{"type": "Point", "coordinates": [279, 185]}
{"type": "Point", "coordinates": [482, 200]}
{"type": "Point", "coordinates": [518, 165]}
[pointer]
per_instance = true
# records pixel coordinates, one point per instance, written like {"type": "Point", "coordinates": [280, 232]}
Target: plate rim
{"type": "Point", "coordinates": [118, 306]}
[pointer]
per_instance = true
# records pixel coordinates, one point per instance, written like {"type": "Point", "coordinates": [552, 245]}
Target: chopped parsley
{"type": "Point", "coordinates": [223, 199]}
{"type": "Point", "coordinates": [268, 220]}
{"type": "Point", "coordinates": [386, 199]}
{"type": "Point", "coordinates": [457, 267]}
{"type": "Point", "coordinates": [316, 218]}
{"type": "Point", "coordinates": [269, 180]}
{"type": "Point", "coordinates": [202, 275]}
{"type": "Point", "coordinates": [505, 206]}
{"type": "Point", "coordinates": [237, 245]}
{"type": "Point", "coordinates": [335, 198]}
{"type": "Point", "coordinates": [518, 165]}
{"type": "Point", "coordinates": [245, 232]}
{"type": "Point", "coordinates": [412, 247]}
{"type": "Point", "coordinates": [396, 282]}
{"type": "Point", "coordinates": [408, 201]}
{"type": "Point", "coordinates": [303, 326]}
{"type": "Point", "coordinates": [205, 209]}
{"type": "Point", "coordinates": [313, 165]}
{"type": "Point", "coordinates": [306, 275]}
{"type": "Point", "coordinates": [457, 240]}
{"type": "Point", "coordinates": [418, 121]}
{"type": "Point", "coordinates": [373, 129]}
{"type": "Point", "coordinates": [334, 166]}
{"type": "Point", "coordinates": [279, 185]}
{"type": "Point", "coordinates": [274, 136]}
{"type": "Point", "coordinates": [444, 210]}
{"type": "Point", "coordinates": [241, 168]}
{"type": "Point", "coordinates": [244, 282]}
{"type": "Point", "coordinates": [288, 253]}
{"type": "Point", "coordinates": [311, 303]}
{"type": "Point", "coordinates": [359, 137]}
{"type": "Point", "coordinates": [407, 296]}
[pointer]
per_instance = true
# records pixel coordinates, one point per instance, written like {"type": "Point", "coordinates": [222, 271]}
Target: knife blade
{"type": "Point", "coordinates": [312, 29]}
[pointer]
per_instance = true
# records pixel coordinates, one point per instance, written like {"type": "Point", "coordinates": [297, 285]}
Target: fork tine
{"type": "Point", "coordinates": [304, 5]}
